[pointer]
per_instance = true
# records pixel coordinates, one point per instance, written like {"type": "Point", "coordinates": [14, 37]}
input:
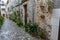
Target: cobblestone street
{"type": "Point", "coordinates": [10, 31]}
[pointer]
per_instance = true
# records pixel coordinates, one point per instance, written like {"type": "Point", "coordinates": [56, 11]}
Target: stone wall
{"type": "Point", "coordinates": [42, 15]}
{"type": "Point", "coordinates": [30, 10]}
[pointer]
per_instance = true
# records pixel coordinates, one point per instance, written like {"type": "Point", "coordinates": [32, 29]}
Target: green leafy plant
{"type": "Point", "coordinates": [16, 19]}
{"type": "Point", "coordinates": [1, 21]}
{"type": "Point", "coordinates": [27, 27]}
{"type": "Point", "coordinates": [34, 31]}
{"type": "Point", "coordinates": [19, 22]}
{"type": "Point", "coordinates": [31, 29]}
{"type": "Point", "coordinates": [14, 16]}
{"type": "Point", "coordinates": [42, 33]}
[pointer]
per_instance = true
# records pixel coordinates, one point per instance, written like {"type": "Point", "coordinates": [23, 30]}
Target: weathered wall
{"type": "Point", "coordinates": [55, 24]}
{"type": "Point", "coordinates": [42, 16]}
{"type": "Point", "coordinates": [30, 10]}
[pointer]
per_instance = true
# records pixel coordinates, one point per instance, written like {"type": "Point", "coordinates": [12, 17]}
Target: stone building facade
{"type": "Point", "coordinates": [43, 14]}
{"type": "Point", "coordinates": [37, 11]}
{"type": "Point", "coordinates": [40, 12]}
{"type": "Point", "coordinates": [27, 11]}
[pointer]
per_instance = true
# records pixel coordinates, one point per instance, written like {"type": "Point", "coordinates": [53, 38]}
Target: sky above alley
{"type": "Point", "coordinates": [4, 1]}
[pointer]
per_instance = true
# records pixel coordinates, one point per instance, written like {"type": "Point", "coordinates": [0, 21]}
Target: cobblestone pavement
{"type": "Point", "coordinates": [10, 31]}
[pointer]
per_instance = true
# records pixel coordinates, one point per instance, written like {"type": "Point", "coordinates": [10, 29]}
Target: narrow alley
{"type": "Point", "coordinates": [28, 20]}
{"type": "Point", "coordinates": [10, 31]}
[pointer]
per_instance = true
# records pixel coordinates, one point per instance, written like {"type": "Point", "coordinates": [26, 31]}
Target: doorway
{"type": "Point", "coordinates": [59, 31]}
{"type": "Point", "coordinates": [25, 8]}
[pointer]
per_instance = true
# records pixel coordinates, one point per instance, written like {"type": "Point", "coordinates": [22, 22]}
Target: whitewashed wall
{"type": "Point", "coordinates": [55, 24]}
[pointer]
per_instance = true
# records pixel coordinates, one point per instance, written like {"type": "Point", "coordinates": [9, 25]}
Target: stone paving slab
{"type": "Point", "coordinates": [10, 31]}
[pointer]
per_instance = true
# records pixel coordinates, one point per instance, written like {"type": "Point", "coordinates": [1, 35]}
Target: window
{"type": "Point", "coordinates": [3, 9]}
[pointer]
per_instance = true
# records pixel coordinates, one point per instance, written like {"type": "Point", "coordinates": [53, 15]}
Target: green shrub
{"type": "Point", "coordinates": [31, 28]}
{"type": "Point", "coordinates": [1, 21]}
{"type": "Point", "coordinates": [42, 33]}
{"type": "Point", "coordinates": [19, 22]}
{"type": "Point", "coordinates": [13, 16]}
{"type": "Point", "coordinates": [34, 31]}
{"type": "Point", "coordinates": [27, 27]}
{"type": "Point", "coordinates": [16, 19]}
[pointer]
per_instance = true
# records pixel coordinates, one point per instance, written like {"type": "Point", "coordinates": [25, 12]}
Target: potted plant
{"type": "Point", "coordinates": [33, 29]}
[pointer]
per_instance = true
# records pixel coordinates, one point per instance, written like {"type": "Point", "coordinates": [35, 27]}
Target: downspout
{"type": "Point", "coordinates": [33, 11]}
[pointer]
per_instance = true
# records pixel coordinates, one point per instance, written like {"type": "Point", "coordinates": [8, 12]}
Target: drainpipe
{"type": "Point", "coordinates": [33, 1]}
